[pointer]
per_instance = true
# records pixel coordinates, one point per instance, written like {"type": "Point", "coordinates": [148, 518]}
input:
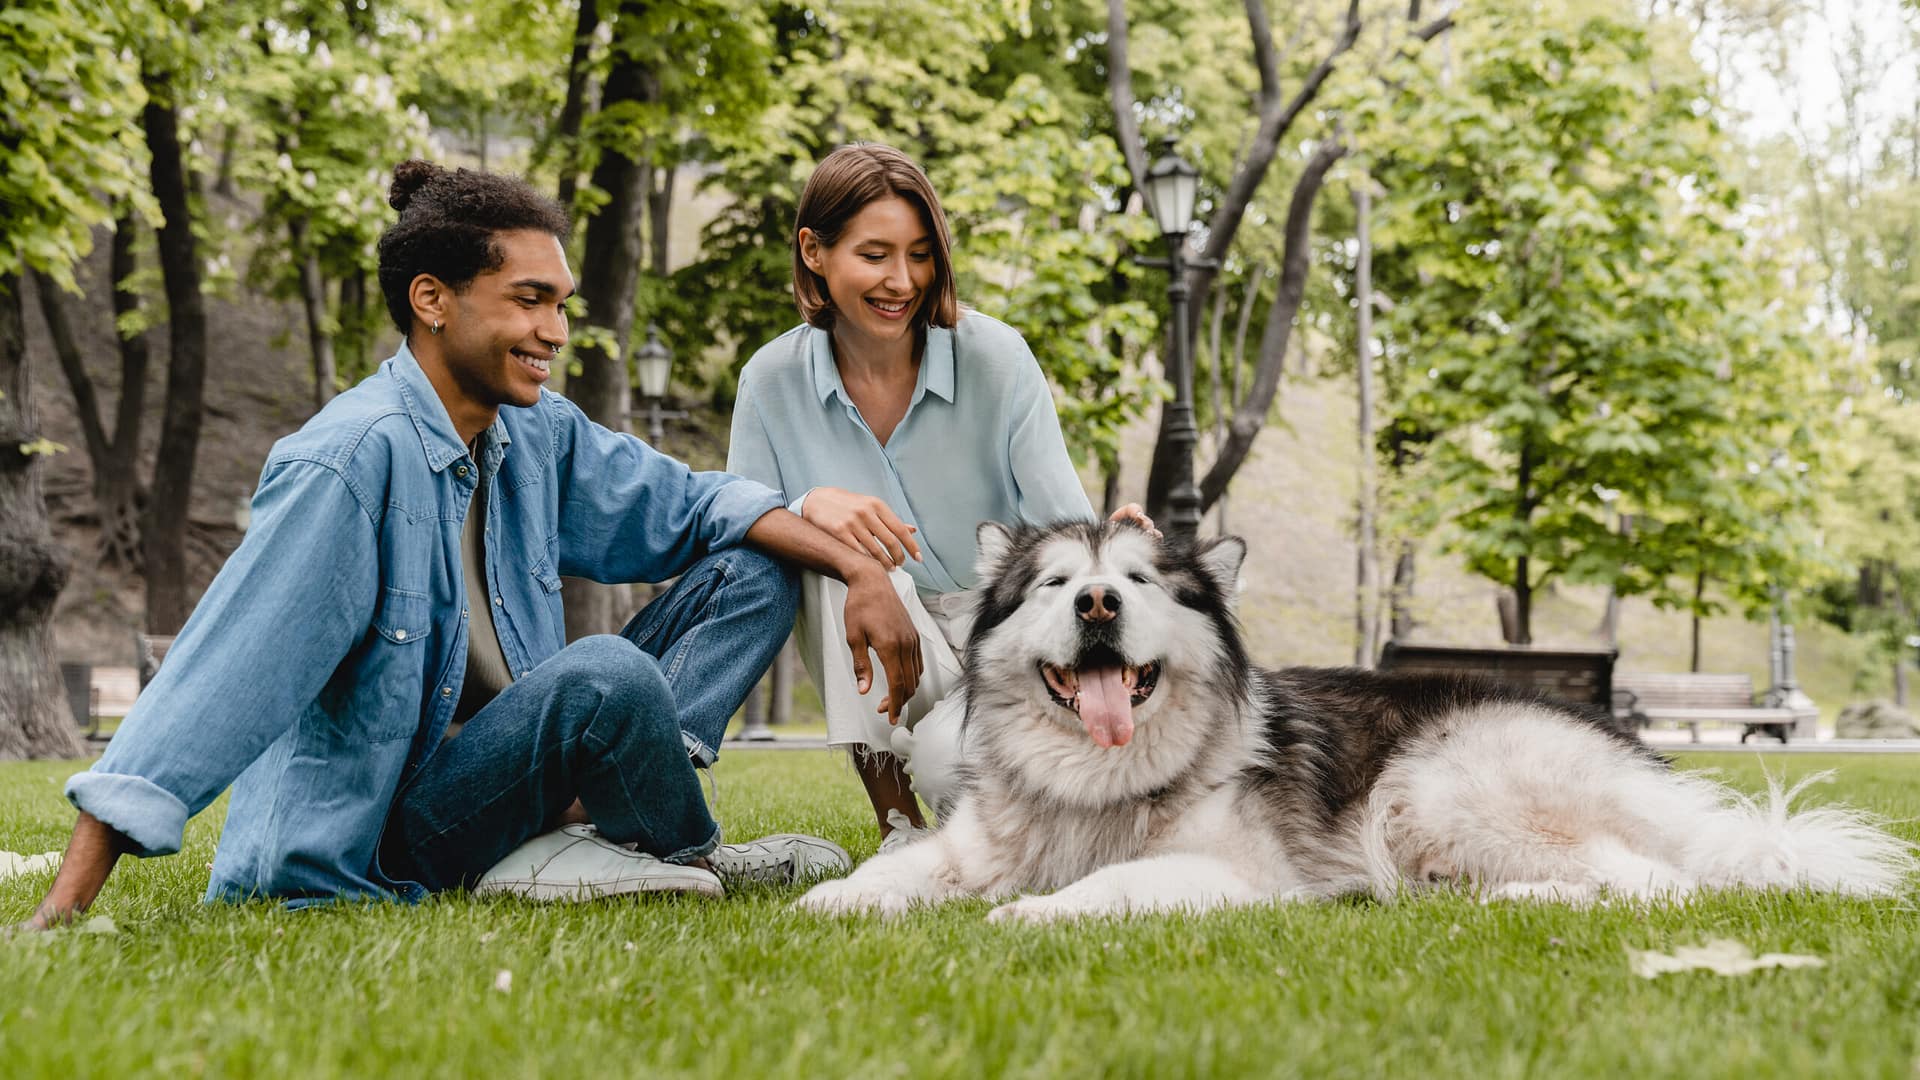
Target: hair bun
{"type": "Point", "coordinates": [408, 177]}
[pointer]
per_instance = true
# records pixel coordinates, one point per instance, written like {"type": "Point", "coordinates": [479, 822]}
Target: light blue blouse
{"type": "Point", "coordinates": [980, 440]}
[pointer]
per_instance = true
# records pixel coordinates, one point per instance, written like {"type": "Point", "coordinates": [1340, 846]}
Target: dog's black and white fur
{"type": "Point", "coordinates": [1125, 756]}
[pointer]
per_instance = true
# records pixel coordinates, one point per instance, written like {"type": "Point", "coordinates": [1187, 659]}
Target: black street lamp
{"type": "Point", "coordinates": [1172, 186]}
{"type": "Point", "coordinates": [654, 364]}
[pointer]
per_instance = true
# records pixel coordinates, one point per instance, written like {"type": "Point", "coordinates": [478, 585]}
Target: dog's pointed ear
{"type": "Point", "coordinates": [991, 541]}
{"type": "Point", "coordinates": [1220, 560]}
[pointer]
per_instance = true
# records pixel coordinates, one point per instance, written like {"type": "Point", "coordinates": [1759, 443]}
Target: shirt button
{"type": "Point", "coordinates": [496, 601]}
{"type": "Point", "coordinates": [463, 613]}
{"type": "Point", "coordinates": [461, 471]}
{"type": "Point", "coordinates": [446, 691]}
{"type": "Point", "coordinates": [399, 635]}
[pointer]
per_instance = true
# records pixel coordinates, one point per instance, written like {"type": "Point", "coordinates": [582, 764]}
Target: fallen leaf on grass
{"type": "Point", "coordinates": [1722, 957]}
{"type": "Point", "coordinates": [13, 863]}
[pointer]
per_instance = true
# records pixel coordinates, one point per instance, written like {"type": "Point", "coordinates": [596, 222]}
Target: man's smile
{"type": "Point", "coordinates": [540, 366]}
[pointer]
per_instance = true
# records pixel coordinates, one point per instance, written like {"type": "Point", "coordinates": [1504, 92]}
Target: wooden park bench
{"type": "Point", "coordinates": [1692, 699]}
{"type": "Point", "coordinates": [1577, 676]}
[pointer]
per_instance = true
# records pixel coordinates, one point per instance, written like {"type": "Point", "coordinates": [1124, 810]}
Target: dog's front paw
{"type": "Point", "coordinates": [1041, 909]}
{"type": "Point", "coordinates": [850, 896]}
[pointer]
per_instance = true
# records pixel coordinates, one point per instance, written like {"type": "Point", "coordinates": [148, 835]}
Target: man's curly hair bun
{"type": "Point", "coordinates": [408, 177]}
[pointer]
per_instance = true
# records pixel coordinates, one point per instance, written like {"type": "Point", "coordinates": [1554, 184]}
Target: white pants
{"type": "Point", "coordinates": [927, 740]}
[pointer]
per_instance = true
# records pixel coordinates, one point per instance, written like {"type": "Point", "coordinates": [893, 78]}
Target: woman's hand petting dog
{"type": "Point", "coordinates": [1137, 514]}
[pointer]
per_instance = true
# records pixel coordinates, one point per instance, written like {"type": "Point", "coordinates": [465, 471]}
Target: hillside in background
{"type": "Point", "coordinates": [1293, 503]}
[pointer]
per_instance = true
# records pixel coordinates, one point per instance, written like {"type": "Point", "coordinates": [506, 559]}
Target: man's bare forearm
{"type": "Point", "coordinates": [789, 537]}
{"type": "Point", "coordinates": [90, 857]}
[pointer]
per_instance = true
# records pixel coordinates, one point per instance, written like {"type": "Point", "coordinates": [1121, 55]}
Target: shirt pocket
{"type": "Point", "coordinates": [395, 676]}
{"type": "Point", "coordinates": [548, 580]}
{"type": "Point", "coordinates": [403, 617]}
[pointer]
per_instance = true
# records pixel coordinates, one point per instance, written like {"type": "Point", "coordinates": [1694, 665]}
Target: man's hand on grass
{"type": "Point", "coordinates": [90, 857]}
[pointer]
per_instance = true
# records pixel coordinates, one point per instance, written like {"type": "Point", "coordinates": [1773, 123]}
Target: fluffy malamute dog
{"type": "Point", "coordinates": [1125, 756]}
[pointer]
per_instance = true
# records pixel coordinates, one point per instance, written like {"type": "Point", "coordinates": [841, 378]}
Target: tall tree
{"type": "Point", "coordinates": [164, 532]}
{"type": "Point", "coordinates": [68, 165]}
{"type": "Point", "coordinates": [1581, 314]}
{"type": "Point", "coordinates": [114, 456]}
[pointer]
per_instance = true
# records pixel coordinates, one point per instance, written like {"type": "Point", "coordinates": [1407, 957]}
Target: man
{"type": "Point", "coordinates": [379, 669]}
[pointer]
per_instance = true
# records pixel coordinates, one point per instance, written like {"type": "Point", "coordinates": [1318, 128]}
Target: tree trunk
{"type": "Point", "coordinates": [1251, 415]}
{"type": "Point", "coordinates": [351, 357]}
{"type": "Point", "coordinates": [567, 129]}
{"type": "Point", "coordinates": [1402, 592]}
{"type": "Point", "coordinates": [1699, 593]}
{"type": "Point", "coordinates": [1110, 487]}
{"type": "Point", "coordinates": [609, 272]}
{"type": "Point", "coordinates": [1522, 581]}
{"type": "Point", "coordinates": [223, 173]}
{"type": "Point", "coordinates": [165, 536]}
{"type": "Point", "coordinates": [112, 472]}
{"type": "Point", "coordinates": [1367, 584]}
{"type": "Point", "coordinates": [313, 299]}
{"type": "Point", "coordinates": [34, 721]}
{"type": "Point", "coordinates": [118, 493]}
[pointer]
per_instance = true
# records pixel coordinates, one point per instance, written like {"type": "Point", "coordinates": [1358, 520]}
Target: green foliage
{"type": "Point", "coordinates": [320, 99]}
{"type": "Point", "coordinates": [70, 101]}
{"type": "Point", "coordinates": [1579, 318]}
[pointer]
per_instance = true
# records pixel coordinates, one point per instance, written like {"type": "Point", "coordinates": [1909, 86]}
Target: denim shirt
{"type": "Point", "coordinates": [326, 658]}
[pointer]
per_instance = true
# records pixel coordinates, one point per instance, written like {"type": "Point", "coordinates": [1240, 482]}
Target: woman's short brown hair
{"type": "Point", "coordinates": [841, 186]}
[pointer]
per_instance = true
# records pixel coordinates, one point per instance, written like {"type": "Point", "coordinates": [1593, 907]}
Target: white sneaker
{"type": "Point", "coordinates": [781, 859]}
{"type": "Point", "coordinates": [903, 832]}
{"type": "Point", "coordinates": [576, 863]}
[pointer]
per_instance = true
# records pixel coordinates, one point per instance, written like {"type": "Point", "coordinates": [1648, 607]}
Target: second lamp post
{"type": "Point", "coordinates": [653, 363]}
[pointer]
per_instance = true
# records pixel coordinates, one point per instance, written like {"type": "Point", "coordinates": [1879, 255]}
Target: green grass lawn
{"type": "Point", "coordinates": [746, 987]}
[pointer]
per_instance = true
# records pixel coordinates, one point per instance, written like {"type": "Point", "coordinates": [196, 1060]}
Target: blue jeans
{"type": "Point", "coordinates": [617, 722]}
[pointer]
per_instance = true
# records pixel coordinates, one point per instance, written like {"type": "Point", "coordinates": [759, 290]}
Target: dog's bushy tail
{"type": "Point", "coordinates": [1765, 843]}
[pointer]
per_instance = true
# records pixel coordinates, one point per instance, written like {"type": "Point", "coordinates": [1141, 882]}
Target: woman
{"type": "Point", "coordinates": [898, 421]}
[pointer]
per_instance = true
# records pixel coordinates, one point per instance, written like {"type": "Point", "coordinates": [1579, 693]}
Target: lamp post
{"type": "Point", "coordinates": [654, 364]}
{"type": "Point", "coordinates": [1172, 185]}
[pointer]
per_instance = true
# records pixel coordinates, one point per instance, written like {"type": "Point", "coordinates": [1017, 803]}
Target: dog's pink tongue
{"type": "Point", "coordinates": [1106, 706]}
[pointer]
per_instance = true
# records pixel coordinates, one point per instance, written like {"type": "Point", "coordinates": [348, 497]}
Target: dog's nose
{"type": "Point", "coordinates": [1096, 604]}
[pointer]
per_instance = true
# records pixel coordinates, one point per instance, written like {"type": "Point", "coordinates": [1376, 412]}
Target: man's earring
{"type": "Point", "coordinates": [435, 328]}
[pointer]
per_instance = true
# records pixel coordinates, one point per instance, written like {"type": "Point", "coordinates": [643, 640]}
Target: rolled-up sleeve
{"type": "Point", "coordinates": [631, 513]}
{"type": "Point", "coordinates": [301, 584]}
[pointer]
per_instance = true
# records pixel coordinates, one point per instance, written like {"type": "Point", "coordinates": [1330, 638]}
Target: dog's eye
{"type": "Point", "coordinates": [1053, 583]}
{"type": "Point", "coordinates": [1139, 578]}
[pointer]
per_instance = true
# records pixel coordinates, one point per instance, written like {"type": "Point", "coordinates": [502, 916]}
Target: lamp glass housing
{"type": "Point", "coordinates": [653, 363]}
{"type": "Point", "coordinates": [1173, 185]}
